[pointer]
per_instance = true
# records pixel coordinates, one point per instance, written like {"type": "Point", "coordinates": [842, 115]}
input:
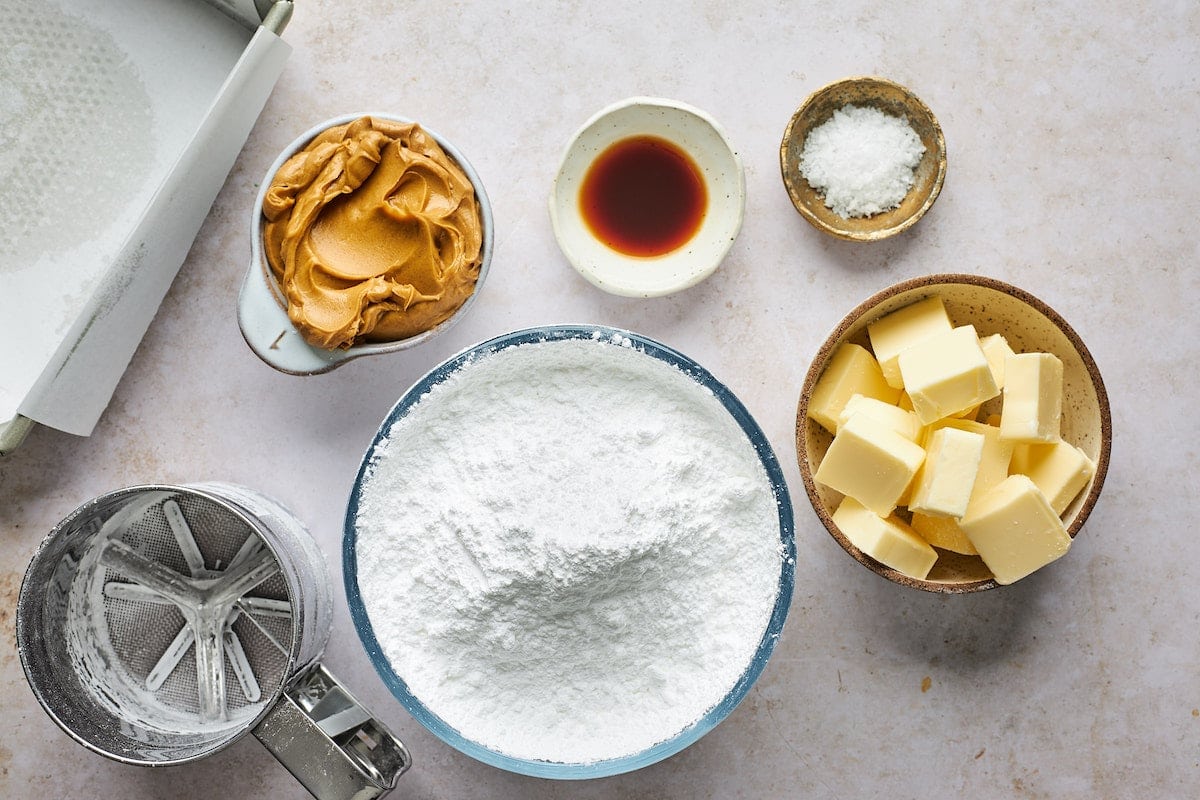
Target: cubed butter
{"type": "Point", "coordinates": [902, 329]}
{"type": "Point", "coordinates": [1060, 470]}
{"type": "Point", "coordinates": [995, 349]}
{"type": "Point", "coordinates": [1015, 529]}
{"type": "Point", "coordinates": [943, 485]}
{"type": "Point", "coordinates": [943, 532]}
{"type": "Point", "coordinates": [946, 373]}
{"type": "Point", "coordinates": [1033, 390]}
{"type": "Point", "coordinates": [902, 422]}
{"type": "Point", "coordinates": [852, 370]}
{"type": "Point", "coordinates": [997, 453]}
{"type": "Point", "coordinates": [888, 541]}
{"type": "Point", "coordinates": [870, 462]}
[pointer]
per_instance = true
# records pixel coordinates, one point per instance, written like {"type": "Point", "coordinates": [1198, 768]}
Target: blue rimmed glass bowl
{"type": "Point", "coordinates": [681, 740]}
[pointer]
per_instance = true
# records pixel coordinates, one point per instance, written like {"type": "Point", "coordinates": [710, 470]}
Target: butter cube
{"type": "Point", "coordinates": [888, 541]}
{"type": "Point", "coordinates": [995, 349]}
{"type": "Point", "coordinates": [944, 484]}
{"type": "Point", "coordinates": [946, 373]}
{"type": "Point", "coordinates": [943, 532]}
{"type": "Point", "coordinates": [1061, 470]}
{"type": "Point", "coordinates": [997, 453]}
{"type": "Point", "coordinates": [871, 463]}
{"type": "Point", "coordinates": [1033, 390]}
{"type": "Point", "coordinates": [902, 422]}
{"type": "Point", "coordinates": [852, 370]}
{"type": "Point", "coordinates": [1015, 530]}
{"type": "Point", "coordinates": [902, 329]}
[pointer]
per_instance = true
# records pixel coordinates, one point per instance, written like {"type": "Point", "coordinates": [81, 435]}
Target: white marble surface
{"type": "Point", "coordinates": [1073, 150]}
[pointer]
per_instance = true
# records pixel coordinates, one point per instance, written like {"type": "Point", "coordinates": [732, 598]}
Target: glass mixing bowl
{"type": "Point", "coordinates": [685, 737]}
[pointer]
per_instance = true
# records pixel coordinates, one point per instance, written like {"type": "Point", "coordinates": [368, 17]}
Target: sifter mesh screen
{"type": "Point", "coordinates": [137, 641]}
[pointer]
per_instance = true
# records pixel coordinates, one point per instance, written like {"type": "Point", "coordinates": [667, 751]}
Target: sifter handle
{"type": "Point", "coordinates": [329, 742]}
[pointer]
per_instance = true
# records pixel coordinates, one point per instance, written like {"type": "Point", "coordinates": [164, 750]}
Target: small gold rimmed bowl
{"type": "Point", "coordinates": [1029, 325]}
{"type": "Point", "coordinates": [893, 99]}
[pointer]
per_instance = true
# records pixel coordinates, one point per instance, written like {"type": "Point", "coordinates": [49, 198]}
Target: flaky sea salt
{"type": "Point", "coordinates": [862, 160]}
{"type": "Point", "coordinates": [568, 550]}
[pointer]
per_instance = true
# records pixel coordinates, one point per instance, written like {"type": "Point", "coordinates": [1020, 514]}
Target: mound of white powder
{"type": "Point", "coordinates": [568, 550]}
{"type": "Point", "coordinates": [862, 160]}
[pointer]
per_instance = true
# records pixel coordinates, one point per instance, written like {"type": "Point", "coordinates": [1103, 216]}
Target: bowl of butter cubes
{"type": "Point", "coordinates": [953, 434]}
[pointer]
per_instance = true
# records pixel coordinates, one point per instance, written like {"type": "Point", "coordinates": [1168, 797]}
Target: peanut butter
{"type": "Point", "coordinates": [373, 233]}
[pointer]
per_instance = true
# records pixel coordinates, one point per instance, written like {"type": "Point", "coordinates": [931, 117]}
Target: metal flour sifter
{"type": "Point", "coordinates": [159, 624]}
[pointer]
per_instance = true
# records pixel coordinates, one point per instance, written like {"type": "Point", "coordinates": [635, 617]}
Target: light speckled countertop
{"type": "Point", "coordinates": [1073, 172]}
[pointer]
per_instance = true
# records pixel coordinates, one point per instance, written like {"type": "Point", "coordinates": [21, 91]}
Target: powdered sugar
{"type": "Point", "coordinates": [862, 160]}
{"type": "Point", "coordinates": [568, 550]}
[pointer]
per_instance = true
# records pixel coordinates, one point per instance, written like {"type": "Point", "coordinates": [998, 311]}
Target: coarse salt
{"type": "Point", "coordinates": [862, 160]}
{"type": "Point", "coordinates": [569, 551]}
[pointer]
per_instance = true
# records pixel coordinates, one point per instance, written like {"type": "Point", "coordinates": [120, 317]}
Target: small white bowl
{"type": "Point", "coordinates": [698, 135]}
{"type": "Point", "coordinates": [262, 311]}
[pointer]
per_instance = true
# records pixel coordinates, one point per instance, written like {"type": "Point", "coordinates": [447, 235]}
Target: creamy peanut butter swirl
{"type": "Point", "coordinates": [373, 233]}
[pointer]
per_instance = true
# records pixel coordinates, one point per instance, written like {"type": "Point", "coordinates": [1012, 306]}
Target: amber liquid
{"type": "Point", "coordinates": [643, 196]}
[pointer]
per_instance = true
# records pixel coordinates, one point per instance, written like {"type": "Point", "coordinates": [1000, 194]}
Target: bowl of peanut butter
{"type": "Point", "coordinates": [370, 234]}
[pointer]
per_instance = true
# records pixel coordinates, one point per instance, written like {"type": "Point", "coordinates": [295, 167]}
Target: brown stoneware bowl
{"type": "Point", "coordinates": [1029, 325]}
{"type": "Point", "coordinates": [890, 98]}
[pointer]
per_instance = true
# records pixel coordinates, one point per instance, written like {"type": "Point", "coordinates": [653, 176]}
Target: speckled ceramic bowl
{"type": "Point", "coordinates": [262, 310]}
{"type": "Point", "coordinates": [1029, 325]}
{"type": "Point", "coordinates": [890, 98]}
{"type": "Point", "coordinates": [702, 139]}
